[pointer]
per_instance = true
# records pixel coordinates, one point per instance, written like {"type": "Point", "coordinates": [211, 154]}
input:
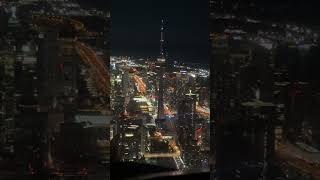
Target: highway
{"type": "Point", "coordinates": [167, 110]}
{"type": "Point", "coordinates": [60, 21]}
{"type": "Point", "coordinates": [179, 162]}
{"type": "Point", "coordinates": [204, 111]}
{"type": "Point", "coordinates": [98, 70]}
{"type": "Point", "coordinates": [141, 85]}
{"type": "Point", "coordinates": [100, 74]}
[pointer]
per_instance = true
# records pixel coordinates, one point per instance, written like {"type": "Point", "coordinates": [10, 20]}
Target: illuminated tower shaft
{"type": "Point", "coordinates": [160, 98]}
{"type": "Point", "coordinates": [161, 62]}
{"type": "Point", "coordinates": [162, 41]}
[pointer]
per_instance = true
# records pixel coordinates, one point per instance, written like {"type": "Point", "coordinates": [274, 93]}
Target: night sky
{"type": "Point", "coordinates": [136, 24]}
{"type": "Point", "coordinates": [136, 28]}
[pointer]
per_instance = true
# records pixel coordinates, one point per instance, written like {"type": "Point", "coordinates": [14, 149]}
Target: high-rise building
{"type": "Point", "coordinates": [125, 83]}
{"type": "Point", "coordinates": [187, 116]}
{"type": "Point", "coordinates": [50, 77]}
{"type": "Point", "coordinates": [3, 20]}
{"type": "Point", "coordinates": [69, 69]}
{"type": "Point", "coordinates": [187, 126]}
{"type": "Point", "coordinates": [219, 54]}
{"type": "Point", "coordinates": [130, 139]}
{"type": "Point", "coordinates": [241, 74]}
{"type": "Point", "coordinates": [258, 132]}
{"type": "Point", "coordinates": [297, 109]}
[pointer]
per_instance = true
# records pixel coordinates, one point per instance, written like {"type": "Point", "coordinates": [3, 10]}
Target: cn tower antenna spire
{"type": "Point", "coordinates": [162, 55]}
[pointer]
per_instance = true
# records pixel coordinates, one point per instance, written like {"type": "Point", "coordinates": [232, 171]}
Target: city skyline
{"type": "Point", "coordinates": [216, 89]}
{"type": "Point", "coordinates": [152, 100]}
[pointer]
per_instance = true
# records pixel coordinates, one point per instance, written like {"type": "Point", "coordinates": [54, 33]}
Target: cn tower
{"type": "Point", "coordinates": [161, 63]}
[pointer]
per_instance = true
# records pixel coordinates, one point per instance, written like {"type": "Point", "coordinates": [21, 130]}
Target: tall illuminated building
{"type": "Point", "coordinates": [125, 83]}
{"type": "Point", "coordinates": [186, 129]}
{"type": "Point", "coordinates": [187, 110]}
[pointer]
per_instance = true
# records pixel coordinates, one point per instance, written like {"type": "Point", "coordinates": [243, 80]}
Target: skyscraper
{"type": "Point", "coordinates": [48, 67]}
{"type": "Point", "coordinates": [241, 97]}
{"type": "Point", "coordinates": [125, 83]}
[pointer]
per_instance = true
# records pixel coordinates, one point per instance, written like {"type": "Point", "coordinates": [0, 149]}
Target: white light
{"type": "Point", "coordinates": [129, 135]}
{"type": "Point", "coordinates": [192, 75]}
